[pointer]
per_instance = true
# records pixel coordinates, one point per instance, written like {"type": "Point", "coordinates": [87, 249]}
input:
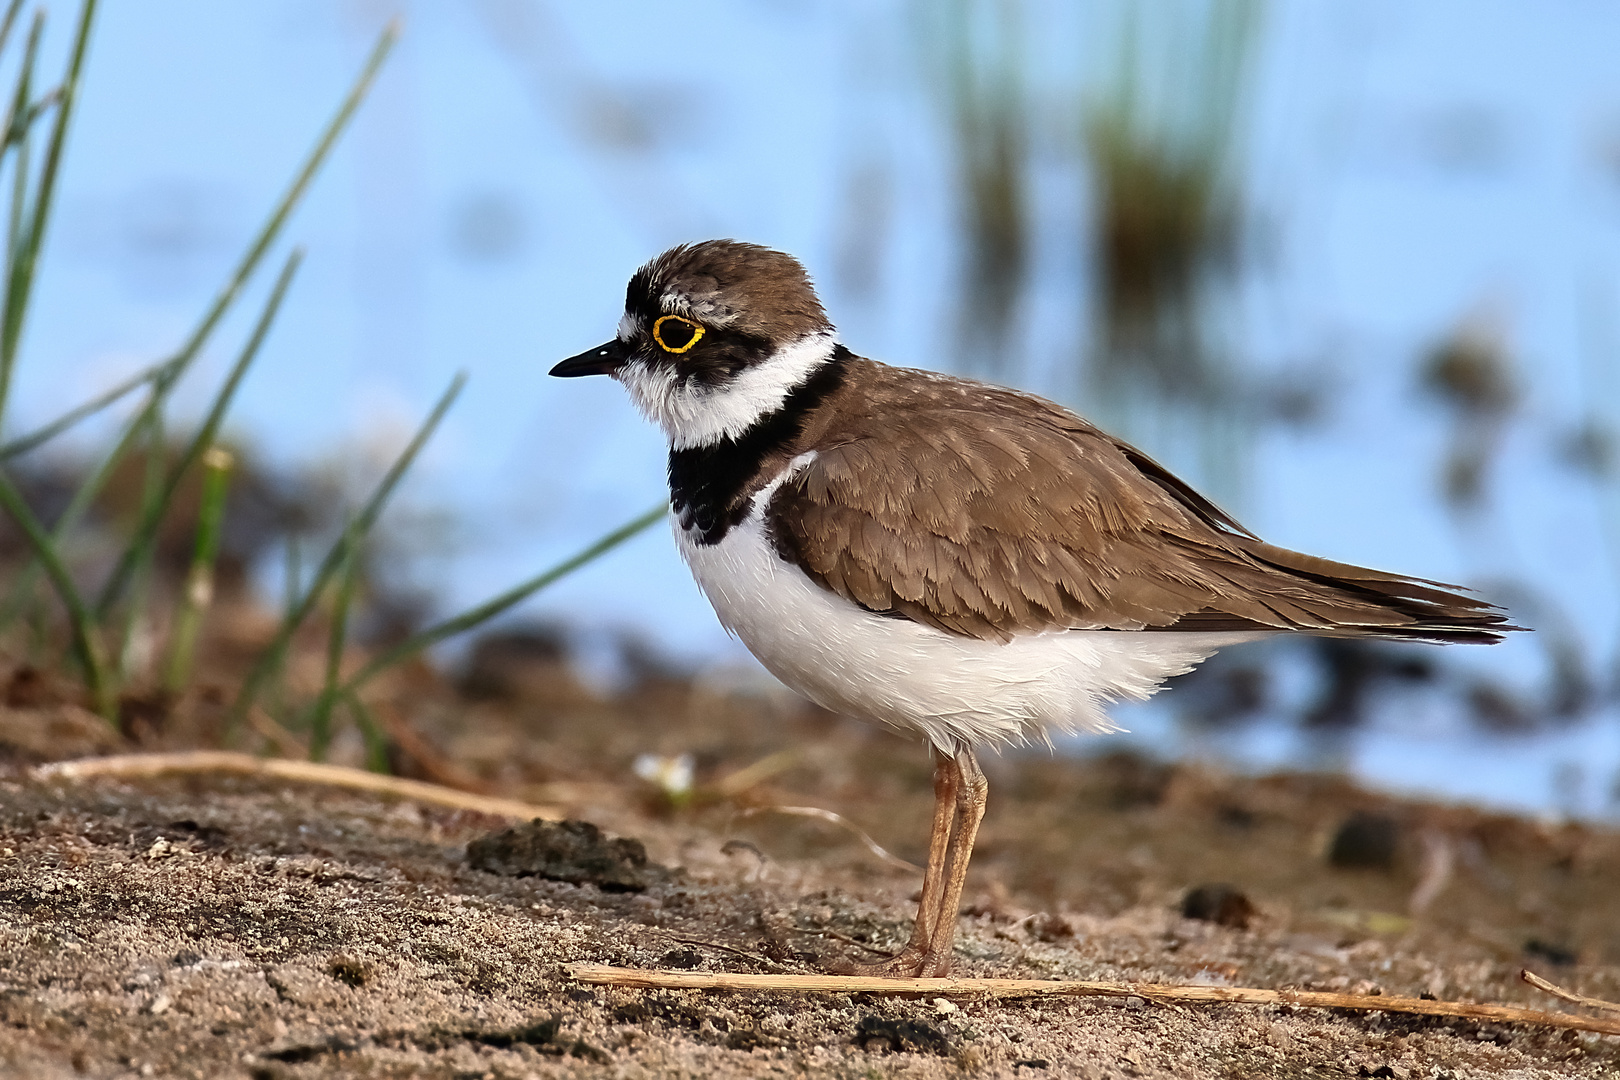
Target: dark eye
{"type": "Point", "coordinates": [675, 334]}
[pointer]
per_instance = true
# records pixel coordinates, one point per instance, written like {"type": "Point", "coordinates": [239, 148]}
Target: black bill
{"type": "Point", "coordinates": [602, 360]}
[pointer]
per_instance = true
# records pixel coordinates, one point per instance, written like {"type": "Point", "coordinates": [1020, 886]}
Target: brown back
{"type": "Point", "coordinates": [990, 513]}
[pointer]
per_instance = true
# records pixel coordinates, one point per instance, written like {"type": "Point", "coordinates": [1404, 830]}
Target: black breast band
{"type": "Point", "coordinates": [711, 487]}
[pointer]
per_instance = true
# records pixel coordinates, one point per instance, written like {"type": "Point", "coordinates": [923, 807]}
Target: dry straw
{"type": "Point", "coordinates": [1157, 993]}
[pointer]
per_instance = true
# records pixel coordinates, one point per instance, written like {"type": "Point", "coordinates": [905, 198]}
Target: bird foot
{"type": "Point", "coordinates": [906, 964]}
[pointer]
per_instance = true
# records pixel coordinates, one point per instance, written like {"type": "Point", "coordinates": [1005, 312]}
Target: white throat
{"type": "Point", "coordinates": [694, 415]}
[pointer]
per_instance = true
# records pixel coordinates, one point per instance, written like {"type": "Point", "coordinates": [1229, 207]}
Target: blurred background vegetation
{"type": "Point", "coordinates": [1352, 270]}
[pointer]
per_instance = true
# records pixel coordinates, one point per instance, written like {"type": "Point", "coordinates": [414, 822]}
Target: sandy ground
{"type": "Point", "coordinates": [215, 927]}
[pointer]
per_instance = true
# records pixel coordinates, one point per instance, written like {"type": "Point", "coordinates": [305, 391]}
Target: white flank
{"type": "Point", "coordinates": [692, 414]}
{"type": "Point", "coordinates": [955, 690]}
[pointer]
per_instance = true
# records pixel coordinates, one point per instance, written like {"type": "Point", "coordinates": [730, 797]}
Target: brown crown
{"type": "Point", "coordinates": [747, 288]}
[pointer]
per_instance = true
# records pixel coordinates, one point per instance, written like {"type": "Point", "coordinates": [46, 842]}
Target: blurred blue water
{"type": "Point", "coordinates": [518, 160]}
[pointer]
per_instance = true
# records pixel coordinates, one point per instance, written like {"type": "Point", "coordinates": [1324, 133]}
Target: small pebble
{"type": "Point", "coordinates": [1365, 841]}
{"type": "Point", "coordinates": [1219, 903]}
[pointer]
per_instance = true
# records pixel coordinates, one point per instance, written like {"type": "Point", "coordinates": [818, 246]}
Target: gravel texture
{"type": "Point", "coordinates": [216, 927]}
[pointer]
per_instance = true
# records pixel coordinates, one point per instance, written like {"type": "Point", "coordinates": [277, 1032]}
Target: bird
{"type": "Point", "coordinates": [950, 558]}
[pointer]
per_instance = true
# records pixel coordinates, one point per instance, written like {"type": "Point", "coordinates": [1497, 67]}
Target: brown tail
{"type": "Point", "coordinates": [1352, 601]}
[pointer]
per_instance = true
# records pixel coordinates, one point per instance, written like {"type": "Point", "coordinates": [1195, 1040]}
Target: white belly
{"type": "Point", "coordinates": [954, 690]}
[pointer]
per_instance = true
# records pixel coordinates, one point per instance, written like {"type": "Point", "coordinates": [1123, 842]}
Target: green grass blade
{"type": "Point", "coordinates": [320, 724]}
{"type": "Point", "coordinates": [376, 741]}
{"type": "Point", "coordinates": [18, 111]}
{"type": "Point", "coordinates": [289, 200]}
{"type": "Point", "coordinates": [82, 498]}
{"type": "Point", "coordinates": [293, 574]}
{"type": "Point", "coordinates": [20, 280]}
{"type": "Point", "coordinates": [38, 437]}
{"type": "Point", "coordinates": [490, 608]}
{"type": "Point", "coordinates": [17, 134]}
{"type": "Point", "coordinates": [17, 125]}
{"type": "Point", "coordinates": [152, 515]}
{"type": "Point", "coordinates": [171, 370]}
{"type": "Point", "coordinates": [271, 658]}
{"type": "Point", "coordinates": [199, 594]}
{"type": "Point", "coordinates": [12, 10]}
{"type": "Point", "coordinates": [151, 495]}
{"type": "Point", "coordinates": [84, 631]}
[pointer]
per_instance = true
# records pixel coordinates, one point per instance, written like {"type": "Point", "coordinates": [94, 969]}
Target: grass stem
{"type": "Point", "coordinates": [199, 589]}
{"type": "Point", "coordinates": [145, 533]}
{"type": "Point", "coordinates": [135, 613]}
{"type": "Point", "coordinates": [270, 660]}
{"type": "Point", "coordinates": [320, 724]}
{"type": "Point", "coordinates": [44, 434]}
{"type": "Point", "coordinates": [22, 269]}
{"type": "Point", "coordinates": [85, 641]}
{"type": "Point", "coordinates": [490, 608]}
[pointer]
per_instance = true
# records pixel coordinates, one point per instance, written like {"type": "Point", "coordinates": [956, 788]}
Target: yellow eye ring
{"type": "Point", "coordinates": [657, 333]}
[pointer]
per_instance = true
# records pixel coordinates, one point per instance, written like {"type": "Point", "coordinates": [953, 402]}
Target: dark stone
{"type": "Point", "coordinates": [680, 958]}
{"type": "Point", "coordinates": [1133, 781]}
{"type": "Point", "coordinates": [543, 1033]}
{"type": "Point", "coordinates": [1366, 841]}
{"type": "Point", "coordinates": [631, 1012]}
{"type": "Point", "coordinates": [1032, 1063]}
{"type": "Point", "coordinates": [874, 1033]}
{"type": "Point", "coordinates": [143, 717]}
{"type": "Point", "coordinates": [495, 667]}
{"type": "Point", "coordinates": [1236, 817]}
{"type": "Point", "coordinates": [583, 1049]}
{"type": "Point", "coordinates": [29, 689]}
{"type": "Point", "coordinates": [299, 1055]}
{"type": "Point", "coordinates": [209, 836]}
{"type": "Point", "coordinates": [573, 851]}
{"type": "Point", "coordinates": [1218, 903]}
{"type": "Point", "coordinates": [349, 971]}
{"type": "Point", "coordinates": [1553, 954]}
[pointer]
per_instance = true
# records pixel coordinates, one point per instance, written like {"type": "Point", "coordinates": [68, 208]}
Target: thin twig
{"type": "Point", "coordinates": [1439, 859]}
{"type": "Point", "coordinates": [134, 766]}
{"type": "Point", "coordinates": [286, 743]}
{"type": "Point", "coordinates": [843, 823]}
{"type": "Point", "coordinates": [1568, 995]}
{"type": "Point", "coordinates": [1161, 993]}
{"type": "Point", "coordinates": [748, 776]}
{"type": "Point", "coordinates": [433, 764]}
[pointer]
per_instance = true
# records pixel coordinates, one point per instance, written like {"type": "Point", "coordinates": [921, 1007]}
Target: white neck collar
{"type": "Point", "coordinates": [694, 415]}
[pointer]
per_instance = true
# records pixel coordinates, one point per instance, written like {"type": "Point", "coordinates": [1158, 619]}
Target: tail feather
{"type": "Point", "coordinates": [1341, 600]}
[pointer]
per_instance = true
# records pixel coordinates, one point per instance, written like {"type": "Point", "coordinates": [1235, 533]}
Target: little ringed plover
{"type": "Point", "coordinates": [959, 560]}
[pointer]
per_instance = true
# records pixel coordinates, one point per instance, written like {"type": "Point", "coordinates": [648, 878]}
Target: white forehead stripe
{"type": "Point", "coordinates": [704, 308]}
{"type": "Point", "coordinates": [694, 415]}
{"type": "Point", "coordinates": [628, 328]}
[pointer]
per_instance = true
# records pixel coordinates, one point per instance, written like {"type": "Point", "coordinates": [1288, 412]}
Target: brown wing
{"type": "Point", "coordinates": [989, 513]}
